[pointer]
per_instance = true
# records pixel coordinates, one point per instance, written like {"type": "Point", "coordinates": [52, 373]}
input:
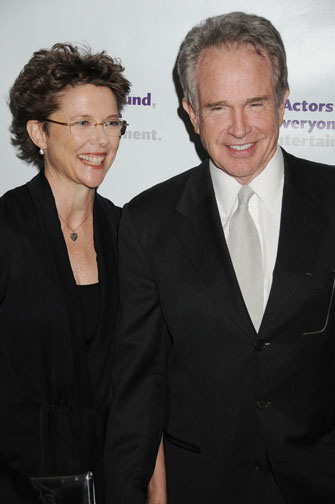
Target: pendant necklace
{"type": "Point", "coordinates": [74, 235]}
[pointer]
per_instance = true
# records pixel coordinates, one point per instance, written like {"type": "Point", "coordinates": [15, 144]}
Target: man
{"type": "Point", "coordinates": [227, 346]}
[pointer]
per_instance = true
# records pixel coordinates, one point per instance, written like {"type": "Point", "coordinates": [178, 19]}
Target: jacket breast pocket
{"type": "Point", "coordinates": [319, 305]}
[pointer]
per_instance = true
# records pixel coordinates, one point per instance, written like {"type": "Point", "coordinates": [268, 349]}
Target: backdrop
{"type": "Point", "coordinates": [146, 36]}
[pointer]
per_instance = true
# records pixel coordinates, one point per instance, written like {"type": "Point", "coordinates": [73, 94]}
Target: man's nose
{"type": "Point", "coordinates": [239, 126]}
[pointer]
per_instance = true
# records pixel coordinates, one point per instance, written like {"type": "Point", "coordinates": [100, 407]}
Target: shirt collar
{"type": "Point", "coordinates": [267, 185]}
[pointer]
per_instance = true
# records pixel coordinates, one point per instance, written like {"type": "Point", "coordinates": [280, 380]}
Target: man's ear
{"type": "Point", "coordinates": [192, 115]}
{"type": "Point", "coordinates": [281, 109]}
{"type": "Point", "coordinates": [37, 134]}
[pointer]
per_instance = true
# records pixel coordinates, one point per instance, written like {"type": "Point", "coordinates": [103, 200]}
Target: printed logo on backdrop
{"type": "Point", "coordinates": [308, 124]}
{"type": "Point", "coordinates": [140, 135]}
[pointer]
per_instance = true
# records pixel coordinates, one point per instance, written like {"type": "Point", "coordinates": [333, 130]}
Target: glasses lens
{"type": "Point", "coordinates": [113, 128]}
{"type": "Point", "coordinates": [82, 128]}
{"type": "Point", "coordinates": [86, 128]}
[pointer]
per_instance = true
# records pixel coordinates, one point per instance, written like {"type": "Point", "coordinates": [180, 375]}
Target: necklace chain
{"type": "Point", "coordinates": [73, 234]}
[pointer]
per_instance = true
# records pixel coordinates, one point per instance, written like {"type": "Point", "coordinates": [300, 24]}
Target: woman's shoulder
{"type": "Point", "coordinates": [14, 196]}
{"type": "Point", "coordinates": [15, 214]}
{"type": "Point", "coordinates": [20, 197]}
{"type": "Point", "coordinates": [15, 205]}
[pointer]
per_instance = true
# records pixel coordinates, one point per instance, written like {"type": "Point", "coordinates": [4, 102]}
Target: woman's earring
{"type": "Point", "coordinates": [41, 152]}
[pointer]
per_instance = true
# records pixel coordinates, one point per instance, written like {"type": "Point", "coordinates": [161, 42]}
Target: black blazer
{"type": "Point", "coordinates": [55, 392]}
{"type": "Point", "coordinates": [190, 364]}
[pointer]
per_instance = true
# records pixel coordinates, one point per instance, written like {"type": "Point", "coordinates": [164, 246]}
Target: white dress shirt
{"type": "Point", "coordinates": [264, 207]}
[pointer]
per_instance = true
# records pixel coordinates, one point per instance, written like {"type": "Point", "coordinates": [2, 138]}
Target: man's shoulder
{"type": "Point", "coordinates": [315, 182]}
{"type": "Point", "coordinates": [300, 166]}
{"type": "Point", "coordinates": [163, 197]}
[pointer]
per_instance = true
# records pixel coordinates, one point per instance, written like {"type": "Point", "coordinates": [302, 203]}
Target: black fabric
{"type": "Point", "coordinates": [189, 363]}
{"type": "Point", "coordinates": [272, 494]}
{"type": "Point", "coordinates": [89, 296]}
{"type": "Point", "coordinates": [55, 392]}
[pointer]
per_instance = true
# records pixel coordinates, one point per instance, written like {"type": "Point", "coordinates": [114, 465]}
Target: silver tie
{"type": "Point", "coordinates": [246, 254]}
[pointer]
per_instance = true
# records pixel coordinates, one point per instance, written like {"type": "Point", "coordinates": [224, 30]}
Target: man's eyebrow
{"type": "Point", "coordinates": [257, 99]}
{"type": "Point", "coordinates": [219, 103]}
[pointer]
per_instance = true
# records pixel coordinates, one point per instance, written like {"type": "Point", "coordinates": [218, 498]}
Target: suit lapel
{"type": "Point", "coordinates": [301, 231]}
{"type": "Point", "coordinates": [201, 236]}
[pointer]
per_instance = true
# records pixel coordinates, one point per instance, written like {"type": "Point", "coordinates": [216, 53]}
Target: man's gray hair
{"type": "Point", "coordinates": [230, 29]}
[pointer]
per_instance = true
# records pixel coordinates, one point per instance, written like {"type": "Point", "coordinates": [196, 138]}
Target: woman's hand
{"type": "Point", "coordinates": [157, 487]}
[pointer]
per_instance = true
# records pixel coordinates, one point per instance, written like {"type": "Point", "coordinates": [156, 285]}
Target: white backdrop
{"type": "Point", "coordinates": [146, 35]}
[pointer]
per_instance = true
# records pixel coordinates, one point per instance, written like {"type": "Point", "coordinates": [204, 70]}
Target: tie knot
{"type": "Point", "coordinates": [244, 195]}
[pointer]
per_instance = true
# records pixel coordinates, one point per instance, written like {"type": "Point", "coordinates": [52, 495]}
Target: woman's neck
{"type": "Point", "coordinates": [74, 202]}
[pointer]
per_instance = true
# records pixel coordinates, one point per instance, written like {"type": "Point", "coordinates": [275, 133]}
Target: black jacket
{"type": "Point", "coordinates": [190, 364]}
{"type": "Point", "coordinates": [55, 392]}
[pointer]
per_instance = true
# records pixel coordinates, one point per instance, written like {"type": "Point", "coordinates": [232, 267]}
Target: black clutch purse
{"type": "Point", "coordinates": [77, 489]}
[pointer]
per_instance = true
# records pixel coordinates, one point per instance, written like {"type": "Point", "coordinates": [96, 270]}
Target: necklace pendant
{"type": "Point", "coordinates": [73, 236]}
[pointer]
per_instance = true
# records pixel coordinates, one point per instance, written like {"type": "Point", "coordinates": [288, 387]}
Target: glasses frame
{"type": "Point", "coordinates": [123, 125]}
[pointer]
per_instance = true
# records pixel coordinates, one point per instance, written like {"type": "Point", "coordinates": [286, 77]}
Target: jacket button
{"type": "Point", "coordinates": [260, 465]}
{"type": "Point", "coordinates": [262, 404]}
{"type": "Point", "coordinates": [260, 345]}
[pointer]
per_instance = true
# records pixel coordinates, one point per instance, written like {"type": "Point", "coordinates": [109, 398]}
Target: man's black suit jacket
{"type": "Point", "coordinates": [190, 365]}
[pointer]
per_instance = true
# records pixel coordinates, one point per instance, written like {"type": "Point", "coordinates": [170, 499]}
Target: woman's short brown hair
{"type": "Point", "coordinates": [35, 93]}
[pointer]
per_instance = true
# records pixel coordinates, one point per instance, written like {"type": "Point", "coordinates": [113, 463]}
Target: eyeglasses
{"type": "Point", "coordinates": [85, 127]}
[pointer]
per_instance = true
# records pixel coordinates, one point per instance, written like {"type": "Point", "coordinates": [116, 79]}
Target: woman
{"type": "Point", "coordinates": [58, 280]}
